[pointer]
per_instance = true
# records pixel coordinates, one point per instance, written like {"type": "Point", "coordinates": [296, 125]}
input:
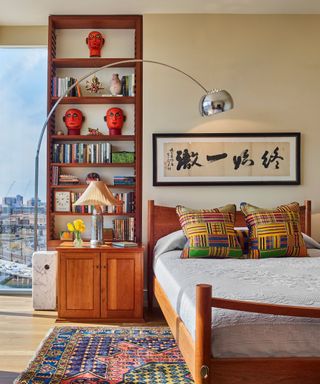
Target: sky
{"type": "Point", "coordinates": [23, 95]}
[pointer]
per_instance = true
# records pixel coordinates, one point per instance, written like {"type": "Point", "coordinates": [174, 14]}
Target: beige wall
{"type": "Point", "coordinates": [271, 66]}
{"type": "Point", "coordinates": [23, 35]}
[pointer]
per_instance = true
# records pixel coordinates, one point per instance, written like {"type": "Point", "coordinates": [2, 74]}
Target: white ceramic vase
{"type": "Point", "coordinates": [115, 85]}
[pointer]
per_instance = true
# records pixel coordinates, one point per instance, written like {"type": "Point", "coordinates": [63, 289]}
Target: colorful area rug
{"type": "Point", "coordinates": [75, 355]}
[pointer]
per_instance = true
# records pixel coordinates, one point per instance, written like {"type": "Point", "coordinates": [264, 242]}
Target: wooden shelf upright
{"type": "Point", "coordinates": [68, 59]}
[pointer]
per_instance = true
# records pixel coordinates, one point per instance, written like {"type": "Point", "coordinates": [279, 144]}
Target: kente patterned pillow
{"type": "Point", "coordinates": [210, 232]}
{"type": "Point", "coordinates": [274, 232]}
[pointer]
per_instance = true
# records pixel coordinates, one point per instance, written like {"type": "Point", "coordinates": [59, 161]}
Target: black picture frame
{"type": "Point", "coordinates": [289, 142]}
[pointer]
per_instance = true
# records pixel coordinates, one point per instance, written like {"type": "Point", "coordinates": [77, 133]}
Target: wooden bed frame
{"type": "Point", "coordinates": [197, 354]}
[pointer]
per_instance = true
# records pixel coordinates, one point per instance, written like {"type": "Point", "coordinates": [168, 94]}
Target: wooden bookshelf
{"type": "Point", "coordinates": [95, 165]}
{"type": "Point", "coordinates": [93, 62]}
{"type": "Point", "coordinates": [59, 27]}
{"type": "Point", "coordinates": [84, 186]}
{"type": "Point", "coordinates": [96, 100]}
{"type": "Point", "coordinates": [89, 214]}
{"type": "Point", "coordinates": [93, 138]}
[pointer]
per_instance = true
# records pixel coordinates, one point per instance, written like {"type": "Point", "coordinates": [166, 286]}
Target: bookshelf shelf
{"type": "Point", "coordinates": [96, 100]}
{"type": "Point", "coordinates": [94, 165]}
{"type": "Point", "coordinates": [90, 214]}
{"type": "Point", "coordinates": [95, 62]}
{"type": "Point", "coordinates": [92, 138]}
{"type": "Point", "coordinates": [68, 56]}
{"type": "Point", "coordinates": [83, 186]}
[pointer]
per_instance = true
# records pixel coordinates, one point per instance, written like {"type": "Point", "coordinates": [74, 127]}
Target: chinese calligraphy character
{"type": "Point", "coordinates": [268, 159]}
{"type": "Point", "coordinates": [243, 159]}
{"type": "Point", "coordinates": [219, 156]}
{"type": "Point", "coordinates": [187, 160]}
{"type": "Point", "coordinates": [170, 159]}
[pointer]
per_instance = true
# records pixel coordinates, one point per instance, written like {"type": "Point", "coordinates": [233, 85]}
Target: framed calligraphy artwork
{"type": "Point", "coordinates": [226, 159]}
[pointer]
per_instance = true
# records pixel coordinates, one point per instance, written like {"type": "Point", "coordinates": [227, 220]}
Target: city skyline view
{"type": "Point", "coordinates": [22, 114]}
{"type": "Point", "coordinates": [23, 84]}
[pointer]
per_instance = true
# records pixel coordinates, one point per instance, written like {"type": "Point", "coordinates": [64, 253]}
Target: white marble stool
{"type": "Point", "coordinates": [44, 273]}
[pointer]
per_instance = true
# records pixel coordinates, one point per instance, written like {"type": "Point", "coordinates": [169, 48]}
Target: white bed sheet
{"type": "Point", "coordinates": [293, 281]}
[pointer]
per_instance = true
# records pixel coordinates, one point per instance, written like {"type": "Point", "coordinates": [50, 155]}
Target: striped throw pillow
{"type": "Point", "coordinates": [210, 232]}
{"type": "Point", "coordinates": [274, 232]}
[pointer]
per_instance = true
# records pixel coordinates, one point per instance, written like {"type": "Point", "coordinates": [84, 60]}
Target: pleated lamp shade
{"type": "Point", "coordinates": [97, 193]}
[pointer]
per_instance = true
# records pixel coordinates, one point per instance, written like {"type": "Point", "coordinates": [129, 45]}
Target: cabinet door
{"type": "Point", "coordinates": [122, 285]}
{"type": "Point", "coordinates": [79, 284]}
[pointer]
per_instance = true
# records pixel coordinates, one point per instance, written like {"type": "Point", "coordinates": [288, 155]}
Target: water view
{"type": "Point", "coordinates": [16, 241]}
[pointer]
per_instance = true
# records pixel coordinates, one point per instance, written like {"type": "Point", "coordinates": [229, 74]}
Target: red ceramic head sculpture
{"type": "Point", "coordinates": [95, 42]}
{"type": "Point", "coordinates": [73, 120]}
{"type": "Point", "coordinates": [115, 118]}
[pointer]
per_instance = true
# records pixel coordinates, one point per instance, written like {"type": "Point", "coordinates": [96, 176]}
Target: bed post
{"type": "Point", "coordinates": [307, 204]}
{"type": "Point", "coordinates": [203, 334]}
{"type": "Point", "coordinates": [150, 253]}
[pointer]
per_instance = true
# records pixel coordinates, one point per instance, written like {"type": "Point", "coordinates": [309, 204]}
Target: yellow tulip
{"type": "Point", "coordinates": [77, 224]}
{"type": "Point", "coordinates": [70, 227]}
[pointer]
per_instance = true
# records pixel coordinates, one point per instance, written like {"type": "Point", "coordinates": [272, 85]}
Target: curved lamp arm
{"type": "Point", "coordinates": [211, 103]}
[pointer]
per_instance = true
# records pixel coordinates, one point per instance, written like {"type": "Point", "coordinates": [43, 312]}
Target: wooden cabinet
{"type": "Point", "coordinates": [68, 57]}
{"type": "Point", "coordinates": [100, 284]}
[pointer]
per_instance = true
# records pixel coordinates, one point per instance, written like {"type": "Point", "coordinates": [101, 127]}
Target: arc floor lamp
{"type": "Point", "coordinates": [212, 102]}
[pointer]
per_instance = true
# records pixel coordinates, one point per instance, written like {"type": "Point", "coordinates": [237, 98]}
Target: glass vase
{"type": "Point", "coordinates": [77, 242]}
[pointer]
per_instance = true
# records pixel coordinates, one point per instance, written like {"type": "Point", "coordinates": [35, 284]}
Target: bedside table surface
{"type": "Point", "coordinates": [68, 245]}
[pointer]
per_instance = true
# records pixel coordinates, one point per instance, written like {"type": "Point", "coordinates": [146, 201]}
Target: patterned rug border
{"type": "Point", "coordinates": [36, 353]}
{"type": "Point", "coordinates": [53, 331]}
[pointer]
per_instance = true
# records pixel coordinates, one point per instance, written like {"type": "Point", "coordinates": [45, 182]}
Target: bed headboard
{"type": "Point", "coordinates": [164, 220]}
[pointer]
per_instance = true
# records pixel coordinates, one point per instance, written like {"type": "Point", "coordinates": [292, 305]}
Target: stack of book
{"type": "Point", "coordinates": [61, 84]}
{"type": "Point", "coordinates": [124, 180]}
{"type": "Point", "coordinates": [65, 179]}
{"type": "Point", "coordinates": [82, 153]}
{"type": "Point", "coordinates": [123, 229]}
{"type": "Point", "coordinates": [124, 244]}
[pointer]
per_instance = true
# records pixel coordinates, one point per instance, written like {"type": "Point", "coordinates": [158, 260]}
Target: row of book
{"type": "Point", "coordinates": [61, 84]}
{"type": "Point", "coordinates": [127, 198]}
{"type": "Point", "coordinates": [82, 153]}
{"type": "Point", "coordinates": [127, 85]}
{"type": "Point", "coordinates": [128, 206]}
{"type": "Point", "coordinates": [123, 229]}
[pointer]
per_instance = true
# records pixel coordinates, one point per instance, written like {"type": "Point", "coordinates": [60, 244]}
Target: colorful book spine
{"type": "Point", "coordinates": [123, 229]}
{"type": "Point", "coordinates": [82, 153]}
{"type": "Point", "coordinates": [61, 84]}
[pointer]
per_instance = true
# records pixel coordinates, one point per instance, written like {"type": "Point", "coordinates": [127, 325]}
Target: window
{"type": "Point", "coordinates": [22, 113]}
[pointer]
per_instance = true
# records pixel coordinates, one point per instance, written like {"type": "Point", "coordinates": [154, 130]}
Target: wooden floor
{"type": "Point", "coordinates": [22, 330]}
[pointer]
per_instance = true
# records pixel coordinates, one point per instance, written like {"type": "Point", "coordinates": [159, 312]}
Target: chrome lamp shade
{"type": "Point", "coordinates": [97, 194]}
{"type": "Point", "coordinates": [215, 101]}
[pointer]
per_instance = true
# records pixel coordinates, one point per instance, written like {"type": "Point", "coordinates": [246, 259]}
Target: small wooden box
{"type": "Point", "coordinates": [107, 234]}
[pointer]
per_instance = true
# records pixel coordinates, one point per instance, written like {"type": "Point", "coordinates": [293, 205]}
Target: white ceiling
{"type": "Point", "coordinates": [35, 12]}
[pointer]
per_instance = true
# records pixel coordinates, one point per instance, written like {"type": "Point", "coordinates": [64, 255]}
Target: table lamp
{"type": "Point", "coordinates": [97, 194]}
